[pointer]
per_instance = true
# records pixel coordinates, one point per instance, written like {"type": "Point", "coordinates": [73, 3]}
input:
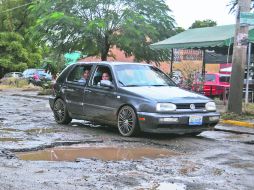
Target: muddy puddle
{"type": "Point", "coordinates": [101, 153]}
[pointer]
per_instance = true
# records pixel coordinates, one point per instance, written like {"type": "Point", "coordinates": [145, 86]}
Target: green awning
{"type": "Point", "coordinates": [217, 36]}
{"type": "Point", "coordinates": [71, 58]}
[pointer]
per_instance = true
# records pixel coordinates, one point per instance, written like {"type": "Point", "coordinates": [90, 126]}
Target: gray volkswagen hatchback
{"type": "Point", "coordinates": [133, 97]}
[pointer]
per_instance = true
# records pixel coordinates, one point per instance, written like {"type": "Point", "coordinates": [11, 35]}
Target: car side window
{"type": "Point", "coordinates": [101, 73]}
{"type": "Point", "coordinates": [80, 74]}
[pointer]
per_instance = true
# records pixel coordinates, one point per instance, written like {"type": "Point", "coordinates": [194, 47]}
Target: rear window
{"type": "Point", "coordinates": [63, 74]}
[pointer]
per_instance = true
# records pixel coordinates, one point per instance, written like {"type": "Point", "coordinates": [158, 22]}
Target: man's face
{"type": "Point", "coordinates": [105, 76]}
{"type": "Point", "coordinates": [86, 74]}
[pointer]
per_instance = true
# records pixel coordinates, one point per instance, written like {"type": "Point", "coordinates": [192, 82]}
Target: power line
{"type": "Point", "coordinates": [8, 10]}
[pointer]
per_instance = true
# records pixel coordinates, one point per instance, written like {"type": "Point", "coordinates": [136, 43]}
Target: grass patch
{"type": "Point", "coordinates": [45, 92]}
{"type": "Point", "coordinates": [247, 114]}
{"type": "Point", "coordinates": [28, 87]}
{"type": "Point", "coordinates": [237, 117]}
{"type": "Point", "coordinates": [13, 83]}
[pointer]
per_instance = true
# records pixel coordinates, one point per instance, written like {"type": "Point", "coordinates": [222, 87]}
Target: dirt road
{"type": "Point", "coordinates": [37, 153]}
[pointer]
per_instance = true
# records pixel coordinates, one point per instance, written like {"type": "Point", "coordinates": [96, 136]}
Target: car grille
{"type": "Point", "coordinates": [187, 106]}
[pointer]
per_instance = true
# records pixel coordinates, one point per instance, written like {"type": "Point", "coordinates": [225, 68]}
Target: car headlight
{"type": "Point", "coordinates": [210, 106]}
{"type": "Point", "coordinates": [165, 107]}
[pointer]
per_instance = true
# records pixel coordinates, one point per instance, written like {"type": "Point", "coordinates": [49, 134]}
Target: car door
{"type": "Point", "coordinates": [101, 102]}
{"type": "Point", "coordinates": [74, 90]}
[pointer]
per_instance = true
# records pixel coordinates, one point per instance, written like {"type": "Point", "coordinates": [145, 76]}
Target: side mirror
{"type": "Point", "coordinates": [106, 83]}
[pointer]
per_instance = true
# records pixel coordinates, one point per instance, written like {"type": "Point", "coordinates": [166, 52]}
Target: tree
{"type": "Point", "coordinates": [94, 26]}
{"type": "Point", "coordinates": [178, 30]}
{"type": "Point", "coordinates": [203, 23]}
{"type": "Point", "coordinates": [14, 56]}
{"type": "Point", "coordinates": [17, 49]}
{"type": "Point", "coordinates": [14, 16]}
{"type": "Point", "coordinates": [233, 4]}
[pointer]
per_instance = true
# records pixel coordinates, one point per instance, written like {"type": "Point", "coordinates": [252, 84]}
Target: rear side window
{"type": "Point", "coordinates": [62, 76]}
{"type": "Point", "coordinates": [76, 75]}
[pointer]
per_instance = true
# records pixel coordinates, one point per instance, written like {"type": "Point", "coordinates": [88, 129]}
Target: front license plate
{"type": "Point", "coordinates": [195, 120]}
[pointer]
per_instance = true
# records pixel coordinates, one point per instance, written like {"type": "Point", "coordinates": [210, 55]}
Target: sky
{"type": "Point", "coordinates": [186, 12]}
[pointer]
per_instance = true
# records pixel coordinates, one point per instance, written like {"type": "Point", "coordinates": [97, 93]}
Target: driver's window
{"type": "Point", "coordinates": [101, 73]}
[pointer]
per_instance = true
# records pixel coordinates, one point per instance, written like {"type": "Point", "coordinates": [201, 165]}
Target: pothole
{"type": "Point", "coordinates": [9, 129]}
{"type": "Point", "coordinates": [102, 153]}
{"type": "Point", "coordinates": [34, 130]}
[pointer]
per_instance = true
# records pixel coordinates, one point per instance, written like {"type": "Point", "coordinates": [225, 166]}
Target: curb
{"type": "Point", "coordinates": [238, 123]}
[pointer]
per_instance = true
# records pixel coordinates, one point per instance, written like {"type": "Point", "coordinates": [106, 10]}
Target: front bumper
{"type": "Point", "coordinates": [152, 122]}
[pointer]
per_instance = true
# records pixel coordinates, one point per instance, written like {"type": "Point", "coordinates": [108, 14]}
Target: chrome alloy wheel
{"type": "Point", "coordinates": [60, 113]}
{"type": "Point", "coordinates": [127, 121]}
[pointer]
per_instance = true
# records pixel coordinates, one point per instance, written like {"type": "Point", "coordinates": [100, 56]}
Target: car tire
{"type": "Point", "coordinates": [127, 122]}
{"type": "Point", "coordinates": [61, 114]}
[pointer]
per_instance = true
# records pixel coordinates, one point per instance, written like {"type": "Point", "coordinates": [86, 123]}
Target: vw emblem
{"type": "Point", "coordinates": [192, 106]}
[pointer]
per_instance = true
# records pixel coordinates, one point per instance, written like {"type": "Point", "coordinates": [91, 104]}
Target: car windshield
{"type": "Point", "coordinates": [210, 78]}
{"type": "Point", "coordinates": [141, 75]}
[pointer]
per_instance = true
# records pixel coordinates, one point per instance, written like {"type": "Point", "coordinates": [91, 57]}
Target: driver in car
{"type": "Point", "coordinates": [105, 77]}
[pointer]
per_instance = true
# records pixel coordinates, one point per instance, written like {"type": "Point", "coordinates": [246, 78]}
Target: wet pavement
{"type": "Point", "coordinates": [37, 153]}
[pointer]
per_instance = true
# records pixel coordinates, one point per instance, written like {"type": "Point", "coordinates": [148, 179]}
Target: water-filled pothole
{"type": "Point", "coordinates": [102, 153]}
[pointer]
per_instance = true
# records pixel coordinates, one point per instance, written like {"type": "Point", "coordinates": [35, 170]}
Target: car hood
{"type": "Point", "coordinates": [167, 94]}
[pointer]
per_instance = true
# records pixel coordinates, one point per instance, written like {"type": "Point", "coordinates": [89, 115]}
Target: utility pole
{"type": "Point", "coordinates": [239, 60]}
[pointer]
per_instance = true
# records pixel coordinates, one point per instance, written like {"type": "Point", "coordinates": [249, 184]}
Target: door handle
{"type": "Point", "coordinates": [69, 90]}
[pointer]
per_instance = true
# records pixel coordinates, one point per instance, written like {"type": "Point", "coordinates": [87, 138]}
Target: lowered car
{"type": "Point", "coordinates": [135, 97]}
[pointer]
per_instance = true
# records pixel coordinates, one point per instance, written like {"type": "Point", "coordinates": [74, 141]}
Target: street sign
{"type": "Point", "coordinates": [246, 18]}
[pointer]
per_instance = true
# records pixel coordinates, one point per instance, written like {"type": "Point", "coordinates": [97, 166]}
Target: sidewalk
{"type": "Point", "coordinates": [236, 126]}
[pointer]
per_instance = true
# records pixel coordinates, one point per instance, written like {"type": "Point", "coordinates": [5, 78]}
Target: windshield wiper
{"type": "Point", "coordinates": [121, 82]}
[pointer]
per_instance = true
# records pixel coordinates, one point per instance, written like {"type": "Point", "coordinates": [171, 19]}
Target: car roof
{"type": "Point", "coordinates": [112, 63]}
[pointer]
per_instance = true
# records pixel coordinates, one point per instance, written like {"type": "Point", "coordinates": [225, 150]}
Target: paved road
{"type": "Point", "coordinates": [218, 159]}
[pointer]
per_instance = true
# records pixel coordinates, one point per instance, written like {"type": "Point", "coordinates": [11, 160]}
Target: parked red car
{"type": "Point", "coordinates": [214, 85]}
